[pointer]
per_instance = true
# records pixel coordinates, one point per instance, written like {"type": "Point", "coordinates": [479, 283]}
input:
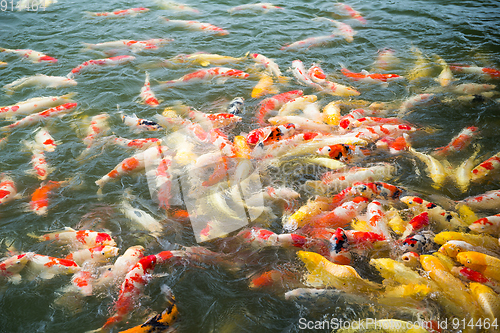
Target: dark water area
{"type": "Point", "coordinates": [213, 297]}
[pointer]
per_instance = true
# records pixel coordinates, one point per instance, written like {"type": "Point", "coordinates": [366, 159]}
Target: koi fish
{"type": "Point", "coordinates": [140, 217]}
{"type": "Point", "coordinates": [414, 101]}
{"type": "Point", "coordinates": [122, 265]}
{"type": "Point", "coordinates": [459, 142]}
{"type": "Point", "coordinates": [348, 10]}
{"type": "Point", "coordinates": [171, 5]}
{"type": "Point", "coordinates": [344, 152]}
{"type": "Point", "coordinates": [309, 43]}
{"type": "Point", "coordinates": [79, 238]}
{"type": "Point", "coordinates": [444, 220]}
{"type": "Point", "coordinates": [364, 76]}
{"type": "Point", "coordinates": [343, 179]}
{"type": "Point", "coordinates": [133, 45]}
{"type": "Point", "coordinates": [275, 102]}
{"type": "Point", "coordinates": [39, 203]}
{"type": "Point", "coordinates": [344, 29]}
{"type": "Point", "coordinates": [446, 76]}
{"type": "Point", "coordinates": [39, 162]}
{"type": "Point", "coordinates": [463, 173]}
{"type": "Point", "coordinates": [205, 59]}
{"type": "Point", "coordinates": [34, 104]}
{"type": "Point", "coordinates": [198, 26]}
{"type": "Point", "coordinates": [483, 263]}
{"type": "Point", "coordinates": [163, 182]}
{"type": "Point", "coordinates": [268, 64]}
{"type": "Point", "coordinates": [422, 67]}
{"type": "Point", "coordinates": [302, 76]}
{"type": "Point", "coordinates": [490, 73]}
{"type": "Point", "coordinates": [487, 200]}
{"type": "Point", "coordinates": [96, 63]}
{"type": "Point", "coordinates": [96, 254]}
{"type": "Point", "coordinates": [214, 120]}
{"type": "Point", "coordinates": [264, 87]}
{"type": "Point", "coordinates": [44, 140]}
{"type": "Point", "coordinates": [301, 123]}
{"type": "Point", "coordinates": [487, 299]}
{"type": "Point", "coordinates": [298, 103]}
{"type": "Point", "coordinates": [31, 55]}
{"type": "Point", "coordinates": [161, 321]}
{"type": "Point", "coordinates": [8, 191]}
{"type": "Point", "coordinates": [486, 241]}
{"type": "Point", "coordinates": [435, 169]}
{"type": "Point", "coordinates": [11, 267]}
{"type": "Point", "coordinates": [489, 224]}
{"type": "Point", "coordinates": [386, 59]}
{"type": "Point", "coordinates": [236, 106]}
{"type": "Point", "coordinates": [342, 215]}
{"type": "Point", "coordinates": [486, 168]}
{"type": "Point", "coordinates": [40, 81]}
{"type": "Point", "coordinates": [471, 88]}
{"type": "Point", "coordinates": [135, 143]}
{"type": "Point", "coordinates": [60, 110]}
{"type": "Point", "coordinates": [119, 13]}
{"type": "Point", "coordinates": [262, 7]}
{"type": "Point", "coordinates": [139, 124]}
{"type": "Point", "coordinates": [46, 267]}
{"type": "Point", "coordinates": [98, 127]}
{"type": "Point", "coordinates": [223, 73]}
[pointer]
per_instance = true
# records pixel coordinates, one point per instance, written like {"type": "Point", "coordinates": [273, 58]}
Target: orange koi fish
{"type": "Point", "coordinates": [31, 55]}
{"type": "Point", "coordinates": [8, 191]}
{"type": "Point", "coordinates": [47, 267]}
{"type": "Point", "coordinates": [39, 203]}
{"type": "Point", "coordinates": [459, 142]}
{"type": "Point", "coordinates": [364, 76]}
{"type": "Point", "coordinates": [95, 63]}
{"type": "Point", "coordinates": [264, 87]}
{"type": "Point", "coordinates": [198, 26]}
{"type": "Point", "coordinates": [120, 13]}
{"type": "Point", "coordinates": [344, 152]}
{"type": "Point", "coordinates": [486, 168]}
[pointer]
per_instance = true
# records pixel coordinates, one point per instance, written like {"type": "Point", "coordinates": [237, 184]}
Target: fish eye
{"type": "Point", "coordinates": [468, 261]}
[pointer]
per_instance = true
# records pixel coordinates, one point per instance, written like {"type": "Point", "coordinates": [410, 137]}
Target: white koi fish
{"type": "Point", "coordinates": [40, 81]}
{"type": "Point", "coordinates": [59, 111]}
{"type": "Point", "coordinates": [260, 7]}
{"type": "Point", "coordinates": [139, 124]}
{"type": "Point", "coordinates": [471, 88]}
{"type": "Point", "coordinates": [386, 59]}
{"type": "Point", "coordinates": [8, 191]}
{"type": "Point", "coordinates": [46, 267]}
{"type": "Point", "coordinates": [348, 10]}
{"type": "Point", "coordinates": [269, 64]}
{"type": "Point", "coordinates": [310, 42]}
{"type": "Point", "coordinates": [223, 73]}
{"type": "Point", "coordinates": [31, 55]}
{"type": "Point", "coordinates": [120, 13]}
{"type": "Point", "coordinates": [203, 59]}
{"type": "Point", "coordinates": [34, 104]}
{"type": "Point", "coordinates": [344, 29]}
{"type": "Point", "coordinates": [490, 73]}
{"type": "Point", "coordinates": [96, 63]}
{"type": "Point", "coordinates": [94, 255]}
{"type": "Point", "coordinates": [147, 95]}
{"type": "Point", "coordinates": [198, 26]}
{"type": "Point", "coordinates": [44, 140]}
{"type": "Point", "coordinates": [135, 143]}
{"type": "Point", "coordinates": [463, 173]}
{"type": "Point", "coordinates": [414, 101]}
{"type": "Point", "coordinates": [140, 217]}
{"type": "Point", "coordinates": [162, 183]}
{"type": "Point", "coordinates": [133, 45]}
{"type": "Point", "coordinates": [171, 5]}
{"type": "Point", "coordinates": [11, 267]}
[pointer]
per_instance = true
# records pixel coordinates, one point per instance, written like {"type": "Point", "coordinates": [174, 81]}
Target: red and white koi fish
{"type": "Point", "coordinates": [342, 215]}
{"type": "Point", "coordinates": [132, 164]}
{"type": "Point", "coordinates": [417, 222]}
{"type": "Point", "coordinates": [79, 239]}
{"type": "Point", "coordinates": [214, 120]}
{"type": "Point", "coordinates": [223, 73]}
{"type": "Point", "coordinates": [262, 7]}
{"type": "Point", "coordinates": [487, 200]}
{"type": "Point", "coordinates": [467, 274]}
{"type": "Point", "coordinates": [221, 141]}
{"type": "Point", "coordinates": [270, 134]}
{"type": "Point", "coordinates": [147, 95]}
{"type": "Point", "coordinates": [46, 267]}
{"type": "Point", "coordinates": [139, 124]}
{"type": "Point", "coordinates": [171, 5]}
{"type": "Point", "coordinates": [31, 55]}
{"type": "Point", "coordinates": [374, 133]}
{"type": "Point", "coordinates": [348, 10]}
{"type": "Point", "coordinates": [414, 101]}
{"type": "Point", "coordinates": [347, 122]}
{"type": "Point", "coordinates": [301, 123]}
{"type": "Point", "coordinates": [471, 88]}
{"type": "Point", "coordinates": [343, 179]}
{"type": "Point", "coordinates": [269, 64]}
{"type": "Point", "coordinates": [97, 128]}
{"type": "Point", "coordinates": [275, 102]}
{"type": "Point", "coordinates": [39, 203]}
{"type": "Point", "coordinates": [119, 13]}
{"type": "Point", "coordinates": [82, 281]}
{"type": "Point", "coordinates": [199, 26]}
{"type": "Point", "coordinates": [344, 152]}
{"type": "Point", "coordinates": [377, 219]}
{"type": "Point", "coordinates": [133, 45]}
{"type": "Point", "coordinates": [11, 267]}
{"type": "Point", "coordinates": [40, 81]}
{"type": "Point", "coordinates": [96, 254]}
{"type": "Point", "coordinates": [8, 191]}
{"type": "Point", "coordinates": [310, 42]}
{"type": "Point", "coordinates": [364, 76]}
{"type": "Point", "coordinates": [317, 75]}
{"type": "Point", "coordinates": [491, 73]}
{"type": "Point", "coordinates": [443, 219]}
{"type": "Point", "coordinates": [377, 190]}
{"type": "Point", "coordinates": [40, 167]}
{"type": "Point", "coordinates": [298, 103]}
{"type": "Point", "coordinates": [459, 142]}
{"type": "Point", "coordinates": [393, 145]}
{"type": "Point", "coordinates": [59, 111]}
{"type": "Point", "coordinates": [386, 59]}
{"type": "Point", "coordinates": [135, 143]}
{"type": "Point", "coordinates": [93, 64]}
{"type": "Point", "coordinates": [122, 265]}
{"type": "Point", "coordinates": [259, 237]}
{"type": "Point", "coordinates": [489, 225]}
{"type": "Point", "coordinates": [302, 76]}
{"type": "Point", "coordinates": [44, 140]}
{"type": "Point", "coordinates": [164, 182]}
{"type": "Point", "coordinates": [344, 29]}
{"type": "Point", "coordinates": [486, 168]}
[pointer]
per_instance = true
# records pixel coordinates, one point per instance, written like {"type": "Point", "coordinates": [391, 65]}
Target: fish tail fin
{"type": "Point", "coordinates": [283, 79]}
{"type": "Point", "coordinates": [3, 49]}
{"type": "Point", "coordinates": [70, 95]}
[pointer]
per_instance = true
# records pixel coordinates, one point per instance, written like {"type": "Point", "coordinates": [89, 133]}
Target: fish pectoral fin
{"type": "Point", "coordinates": [46, 275]}
{"type": "Point", "coordinates": [15, 279]}
{"type": "Point", "coordinates": [221, 80]}
{"type": "Point", "coordinates": [204, 63]}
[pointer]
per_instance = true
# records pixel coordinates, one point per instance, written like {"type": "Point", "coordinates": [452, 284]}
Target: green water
{"type": "Point", "coordinates": [210, 298]}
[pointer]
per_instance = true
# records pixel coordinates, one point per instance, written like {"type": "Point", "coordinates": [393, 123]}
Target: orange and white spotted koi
{"type": "Point", "coordinates": [487, 200]}
{"type": "Point", "coordinates": [214, 120]}
{"type": "Point", "coordinates": [139, 124]}
{"type": "Point", "coordinates": [443, 219]}
{"type": "Point", "coordinates": [36, 117]}
{"type": "Point", "coordinates": [11, 267]}
{"type": "Point", "coordinates": [132, 164]}
{"type": "Point", "coordinates": [486, 168]}
{"type": "Point", "coordinates": [275, 102]}
{"type": "Point", "coordinates": [342, 215]}
{"type": "Point", "coordinates": [147, 95]}
{"type": "Point", "coordinates": [347, 123]}
{"type": "Point", "coordinates": [222, 73]}
{"type": "Point", "coordinates": [377, 219]}
{"type": "Point", "coordinates": [40, 81]}
{"type": "Point", "coordinates": [343, 29]}
{"type": "Point", "coordinates": [119, 13]}
{"type": "Point", "coordinates": [198, 26]}
{"type": "Point", "coordinates": [416, 223]}
{"type": "Point", "coordinates": [44, 140]}
{"type": "Point", "coordinates": [343, 179]}
{"type": "Point", "coordinates": [93, 64]}
{"type": "Point", "coordinates": [302, 76]}
{"type": "Point", "coordinates": [133, 45]}
{"type": "Point", "coordinates": [367, 77]}
{"type": "Point", "coordinates": [164, 182]}
{"type": "Point", "coordinates": [270, 134]}
{"type": "Point", "coordinates": [96, 254]}
{"type": "Point", "coordinates": [31, 55]}
{"type": "Point", "coordinates": [97, 128]}
{"type": "Point", "coordinates": [79, 239]}
{"type": "Point", "coordinates": [8, 191]}
{"type": "Point", "coordinates": [268, 64]}
{"type": "Point", "coordinates": [135, 143]}
{"type": "Point", "coordinates": [470, 88]}
{"type": "Point", "coordinates": [489, 225]}
{"type": "Point", "coordinates": [378, 190]}
{"type": "Point", "coordinates": [393, 145]}
{"type": "Point", "coordinates": [344, 152]}
{"type": "Point", "coordinates": [41, 168]}
{"type": "Point", "coordinates": [46, 267]}
{"type": "Point", "coordinates": [260, 237]}
{"type": "Point", "coordinates": [309, 43]}
{"type": "Point", "coordinates": [348, 10]}
{"type": "Point", "coordinates": [262, 7]}
{"type": "Point", "coordinates": [39, 203]}
{"type": "Point", "coordinates": [122, 265]}
{"type": "Point", "coordinates": [459, 142]}
{"type": "Point", "coordinates": [374, 133]}
{"type": "Point", "coordinates": [490, 73]}
{"type": "Point", "coordinates": [33, 105]}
